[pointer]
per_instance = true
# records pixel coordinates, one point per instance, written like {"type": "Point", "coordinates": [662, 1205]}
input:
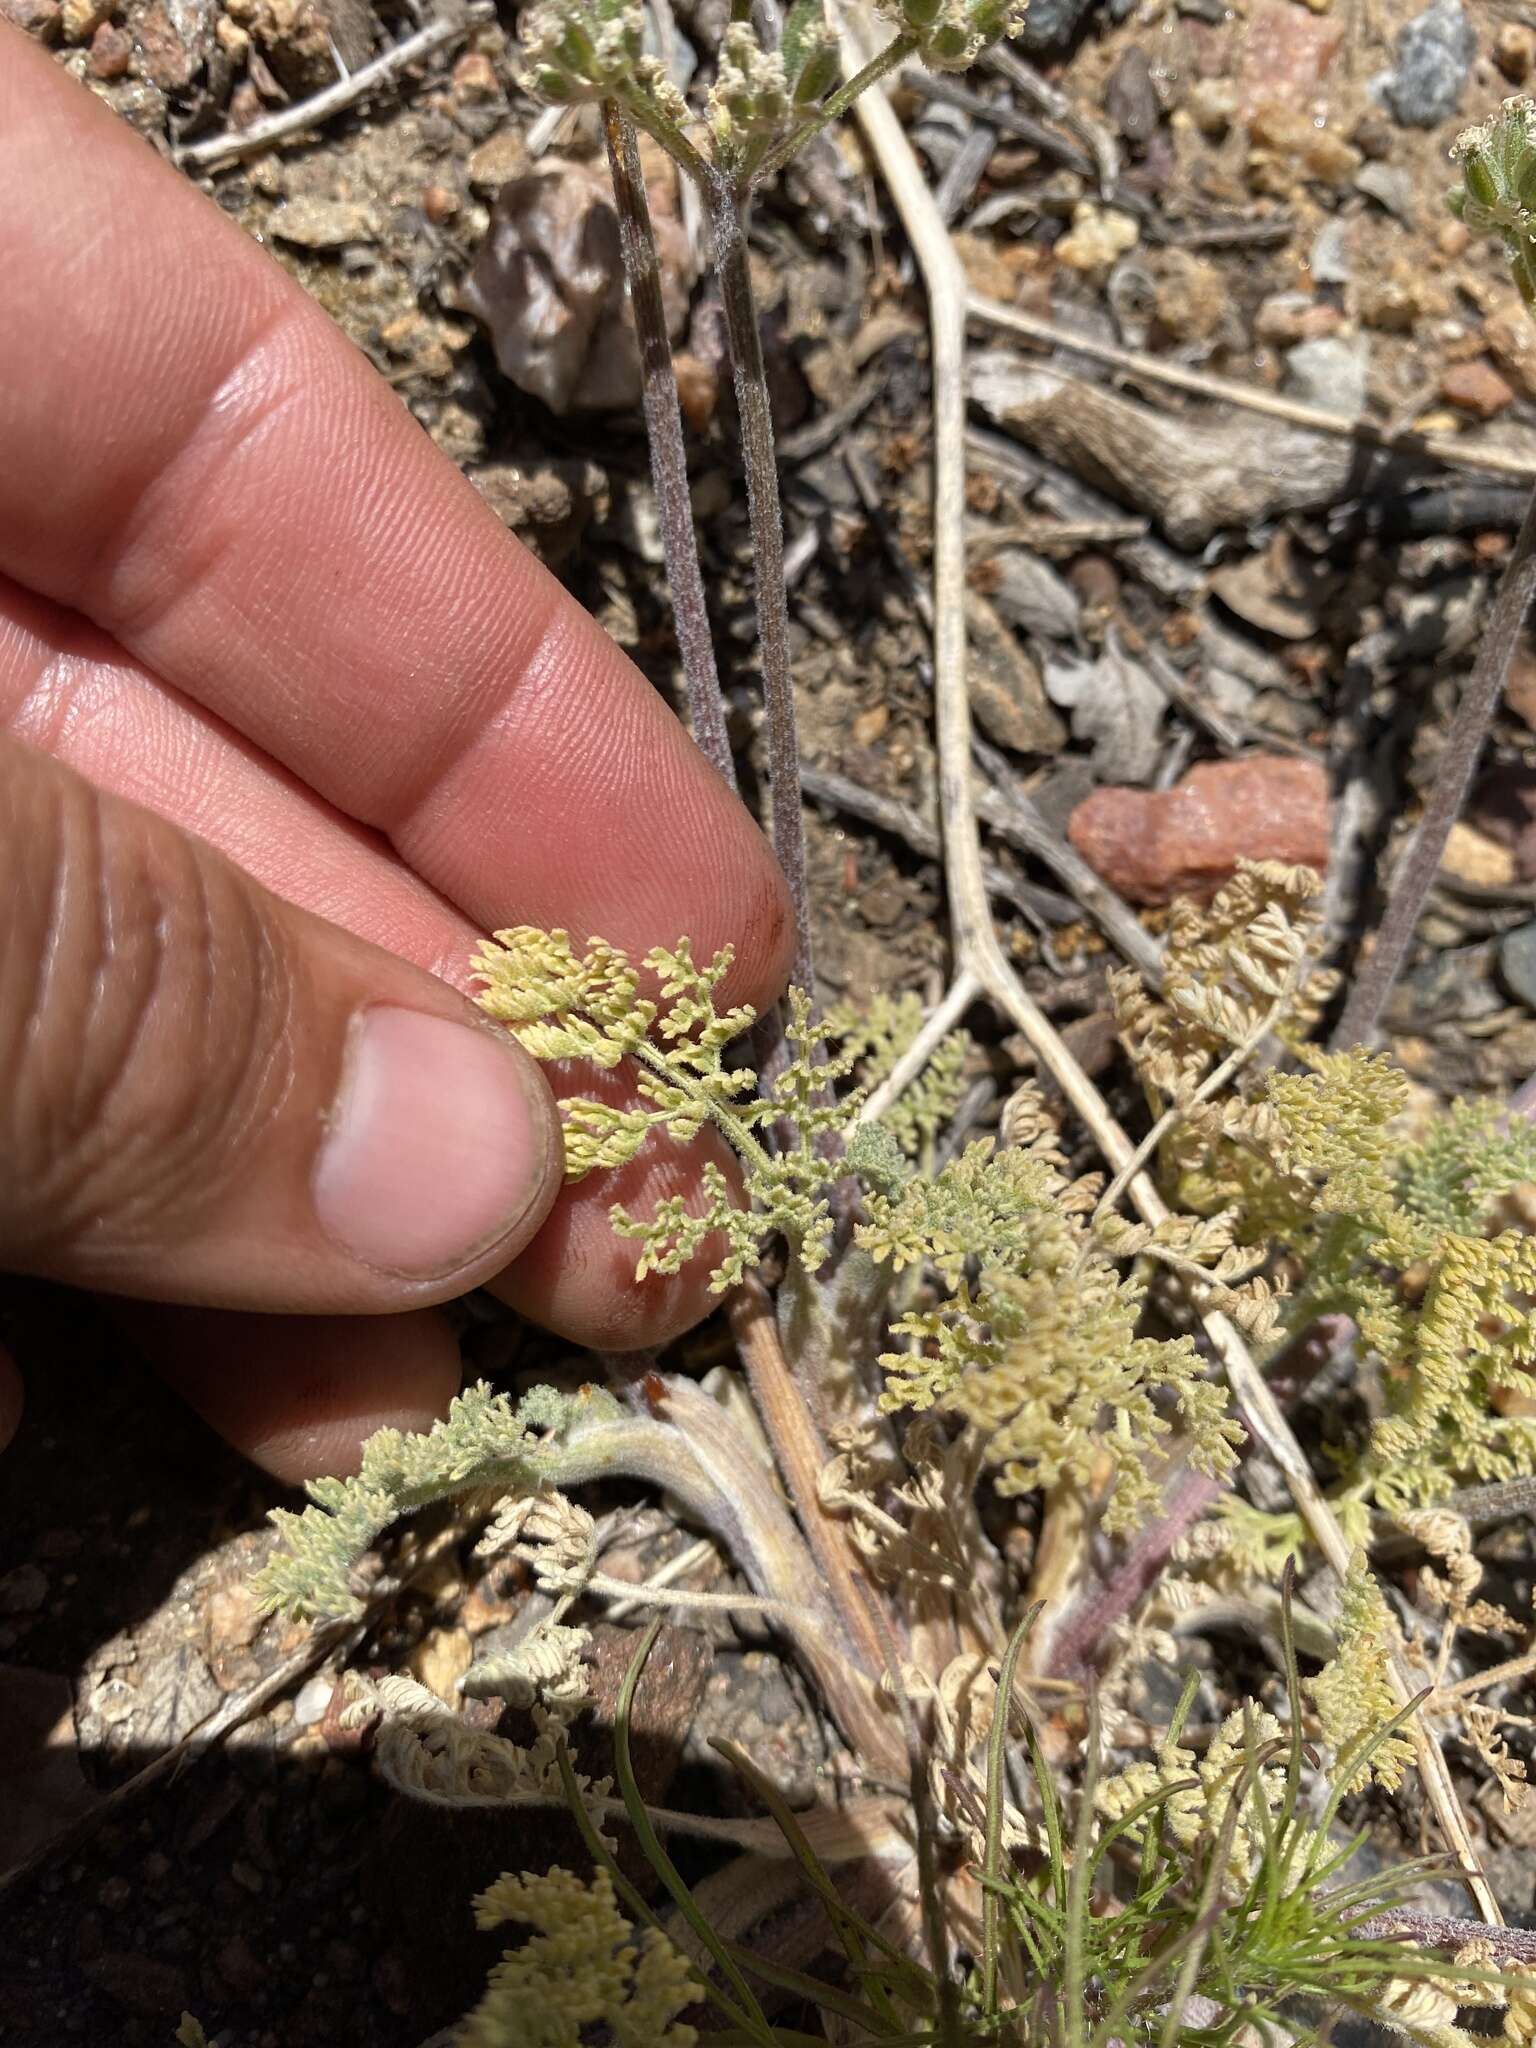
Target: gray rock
{"type": "Point", "coordinates": [1434, 54]}
{"type": "Point", "coordinates": [1517, 963]}
{"type": "Point", "coordinates": [1053, 22]}
{"type": "Point", "coordinates": [1391, 186]}
{"type": "Point", "coordinates": [1330, 373]}
{"type": "Point", "coordinates": [1330, 253]}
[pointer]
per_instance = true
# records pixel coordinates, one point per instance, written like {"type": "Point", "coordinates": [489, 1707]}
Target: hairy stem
{"type": "Point", "coordinates": [1375, 976]}
{"type": "Point", "coordinates": [664, 434]}
{"type": "Point", "coordinates": [728, 231]}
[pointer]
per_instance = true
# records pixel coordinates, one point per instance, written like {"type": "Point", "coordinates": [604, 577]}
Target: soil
{"type": "Point", "coordinates": [1277, 227]}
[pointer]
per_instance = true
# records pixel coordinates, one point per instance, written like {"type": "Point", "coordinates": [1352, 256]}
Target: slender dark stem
{"type": "Point", "coordinates": [664, 433]}
{"type": "Point", "coordinates": [1474, 714]}
{"type": "Point", "coordinates": [728, 230]}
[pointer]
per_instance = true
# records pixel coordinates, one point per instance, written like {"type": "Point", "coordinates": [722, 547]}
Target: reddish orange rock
{"type": "Point", "coordinates": [1153, 845]}
{"type": "Point", "coordinates": [1477, 388]}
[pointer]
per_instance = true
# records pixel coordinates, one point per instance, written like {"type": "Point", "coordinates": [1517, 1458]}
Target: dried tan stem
{"type": "Point", "coordinates": [976, 945]}
{"type": "Point", "coordinates": [802, 1459]}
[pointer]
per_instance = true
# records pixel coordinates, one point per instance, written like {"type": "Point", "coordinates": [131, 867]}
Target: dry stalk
{"type": "Point", "coordinates": [978, 952]}
{"type": "Point", "coordinates": [728, 231]}
{"type": "Point", "coordinates": [802, 1458]}
{"type": "Point", "coordinates": [1375, 975]}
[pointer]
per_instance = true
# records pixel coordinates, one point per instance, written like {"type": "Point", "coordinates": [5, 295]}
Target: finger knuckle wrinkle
{"type": "Point", "coordinates": [144, 1027]}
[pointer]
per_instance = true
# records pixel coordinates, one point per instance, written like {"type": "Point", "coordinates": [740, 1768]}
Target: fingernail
{"type": "Point", "coordinates": [435, 1149]}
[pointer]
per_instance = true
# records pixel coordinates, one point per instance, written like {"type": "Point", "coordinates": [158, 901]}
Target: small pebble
{"type": "Point", "coordinates": [80, 19]}
{"type": "Point", "coordinates": [474, 79]}
{"type": "Point", "coordinates": [1051, 23]}
{"type": "Point", "coordinates": [1511, 338]}
{"type": "Point", "coordinates": [1098, 235]}
{"type": "Point", "coordinates": [1517, 963]}
{"type": "Point", "coordinates": [1477, 388]}
{"type": "Point", "coordinates": [1331, 373]}
{"type": "Point", "coordinates": [439, 203]}
{"type": "Point", "coordinates": [111, 52]}
{"type": "Point", "coordinates": [1514, 51]}
{"type": "Point", "coordinates": [1477, 859]}
{"type": "Point", "coordinates": [1434, 53]}
{"type": "Point", "coordinates": [1211, 104]}
{"type": "Point", "coordinates": [312, 1700]}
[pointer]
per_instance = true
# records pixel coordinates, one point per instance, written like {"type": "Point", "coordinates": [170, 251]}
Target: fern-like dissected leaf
{"type": "Point", "coordinates": [874, 1035]}
{"type": "Point", "coordinates": [1353, 1693]}
{"type": "Point", "coordinates": [560, 1005]}
{"type": "Point", "coordinates": [1334, 1129]}
{"type": "Point", "coordinates": [1470, 1346]}
{"type": "Point", "coordinates": [482, 1442]}
{"type": "Point", "coordinates": [987, 1205]}
{"type": "Point", "coordinates": [1469, 1160]}
{"type": "Point", "coordinates": [583, 1968]}
{"type": "Point", "coordinates": [1041, 1353]}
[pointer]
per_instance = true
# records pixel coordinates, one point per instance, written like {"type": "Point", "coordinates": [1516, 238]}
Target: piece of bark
{"type": "Point", "coordinates": [1194, 474]}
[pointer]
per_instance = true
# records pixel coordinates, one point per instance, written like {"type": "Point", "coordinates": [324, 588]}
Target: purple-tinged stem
{"type": "Point", "coordinates": [664, 433]}
{"type": "Point", "coordinates": [728, 230]}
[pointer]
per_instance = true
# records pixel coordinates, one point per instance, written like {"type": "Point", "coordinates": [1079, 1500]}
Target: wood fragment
{"type": "Point", "coordinates": [1457, 454]}
{"type": "Point", "coordinates": [1194, 476]}
{"type": "Point", "coordinates": [903, 822]}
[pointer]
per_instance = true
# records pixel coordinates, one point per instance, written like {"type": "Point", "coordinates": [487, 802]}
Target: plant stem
{"type": "Point", "coordinates": [728, 230]}
{"type": "Point", "coordinates": [1474, 714]}
{"type": "Point", "coordinates": [644, 112]}
{"type": "Point", "coordinates": [802, 1458]}
{"type": "Point", "coordinates": [896, 51]}
{"type": "Point", "coordinates": [664, 434]}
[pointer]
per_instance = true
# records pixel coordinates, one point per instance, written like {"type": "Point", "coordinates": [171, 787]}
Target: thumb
{"type": "Point", "coordinates": [207, 1095]}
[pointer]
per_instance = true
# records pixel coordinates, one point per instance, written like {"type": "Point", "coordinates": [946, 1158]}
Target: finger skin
{"type": "Point", "coordinates": [300, 1395]}
{"type": "Point", "coordinates": [195, 1080]}
{"type": "Point", "coordinates": [217, 479]}
{"type": "Point", "coordinates": [105, 715]}
{"type": "Point", "coordinates": [343, 658]}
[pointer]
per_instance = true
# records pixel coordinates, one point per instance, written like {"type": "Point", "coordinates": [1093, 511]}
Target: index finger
{"type": "Point", "coordinates": [200, 463]}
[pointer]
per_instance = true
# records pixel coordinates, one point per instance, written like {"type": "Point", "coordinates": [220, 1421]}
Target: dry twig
{"type": "Point", "coordinates": [889, 814]}
{"type": "Point", "coordinates": [214, 151]}
{"type": "Point", "coordinates": [1375, 975]}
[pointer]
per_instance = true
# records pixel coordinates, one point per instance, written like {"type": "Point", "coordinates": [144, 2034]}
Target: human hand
{"type": "Point", "coordinates": [286, 721]}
